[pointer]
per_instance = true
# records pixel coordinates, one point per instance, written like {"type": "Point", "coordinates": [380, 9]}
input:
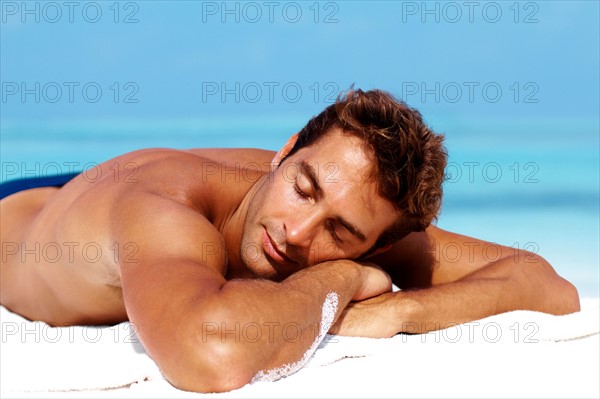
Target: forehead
{"type": "Point", "coordinates": [341, 147]}
{"type": "Point", "coordinates": [343, 150]}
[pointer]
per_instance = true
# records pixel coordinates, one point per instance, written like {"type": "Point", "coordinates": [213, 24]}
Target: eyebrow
{"type": "Point", "coordinates": [309, 171]}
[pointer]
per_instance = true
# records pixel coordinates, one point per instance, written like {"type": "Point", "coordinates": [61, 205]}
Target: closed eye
{"type": "Point", "coordinates": [336, 238]}
{"type": "Point", "coordinates": [299, 191]}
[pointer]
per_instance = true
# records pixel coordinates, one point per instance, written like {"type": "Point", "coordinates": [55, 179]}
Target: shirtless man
{"type": "Point", "coordinates": [193, 246]}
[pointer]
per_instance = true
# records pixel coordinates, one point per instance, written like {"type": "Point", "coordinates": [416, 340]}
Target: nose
{"type": "Point", "coordinates": [301, 229]}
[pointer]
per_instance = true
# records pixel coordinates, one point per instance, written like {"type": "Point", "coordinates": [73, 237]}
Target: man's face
{"type": "Point", "coordinates": [318, 205]}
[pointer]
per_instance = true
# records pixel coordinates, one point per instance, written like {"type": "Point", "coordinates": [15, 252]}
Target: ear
{"type": "Point", "coordinates": [287, 147]}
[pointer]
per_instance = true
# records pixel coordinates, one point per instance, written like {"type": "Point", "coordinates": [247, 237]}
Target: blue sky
{"type": "Point", "coordinates": [493, 60]}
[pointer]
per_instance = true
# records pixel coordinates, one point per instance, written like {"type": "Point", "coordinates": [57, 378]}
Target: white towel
{"type": "Point", "coordinates": [37, 357]}
{"type": "Point", "coordinates": [519, 354]}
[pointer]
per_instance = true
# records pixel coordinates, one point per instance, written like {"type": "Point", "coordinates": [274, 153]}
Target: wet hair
{"type": "Point", "coordinates": [409, 158]}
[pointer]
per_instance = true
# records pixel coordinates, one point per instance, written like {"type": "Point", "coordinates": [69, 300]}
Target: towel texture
{"type": "Point", "coordinates": [518, 354]}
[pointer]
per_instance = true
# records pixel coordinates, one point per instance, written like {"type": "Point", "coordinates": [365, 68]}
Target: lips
{"type": "Point", "coordinates": [272, 250]}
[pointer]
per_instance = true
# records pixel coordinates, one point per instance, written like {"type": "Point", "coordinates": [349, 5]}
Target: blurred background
{"type": "Point", "coordinates": [513, 85]}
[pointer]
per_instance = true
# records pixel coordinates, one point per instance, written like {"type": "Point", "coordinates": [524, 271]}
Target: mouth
{"type": "Point", "coordinates": [272, 249]}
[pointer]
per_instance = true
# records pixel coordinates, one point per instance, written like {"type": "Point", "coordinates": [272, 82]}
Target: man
{"type": "Point", "coordinates": [196, 247]}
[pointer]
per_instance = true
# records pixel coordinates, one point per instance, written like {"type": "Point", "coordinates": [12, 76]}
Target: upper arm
{"type": "Point", "coordinates": [436, 256]}
{"type": "Point", "coordinates": [178, 266]}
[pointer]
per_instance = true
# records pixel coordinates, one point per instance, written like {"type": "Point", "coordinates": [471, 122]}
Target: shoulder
{"type": "Point", "coordinates": [199, 177]}
{"type": "Point", "coordinates": [226, 157]}
{"type": "Point", "coordinates": [436, 256]}
{"type": "Point", "coordinates": [196, 167]}
{"type": "Point", "coordinates": [166, 201]}
{"type": "Point", "coordinates": [166, 229]}
{"type": "Point", "coordinates": [240, 158]}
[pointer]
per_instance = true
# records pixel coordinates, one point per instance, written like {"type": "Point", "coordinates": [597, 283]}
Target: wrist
{"type": "Point", "coordinates": [350, 273]}
{"type": "Point", "coordinates": [404, 309]}
{"type": "Point", "coordinates": [344, 277]}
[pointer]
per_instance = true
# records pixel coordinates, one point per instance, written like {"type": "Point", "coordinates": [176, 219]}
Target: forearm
{"type": "Point", "coordinates": [295, 303]}
{"type": "Point", "coordinates": [258, 326]}
{"type": "Point", "coordinates": [500, 287]}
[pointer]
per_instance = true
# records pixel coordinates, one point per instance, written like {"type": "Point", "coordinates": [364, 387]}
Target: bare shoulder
{"type": "Point", "coordinates": [180, 175]}
{"type": "Point", "coordinates": [437, 256]}
{"type": "Point", "coordinates": [176, 181]}
{"type": "Point", "coordinates": [410, 261]}
{"type": "Point", "coordinates": [162, 228]}
{"type": "Point", "coordinates": [233, 155]}
{"type": "Point", "coordinates": [153, 184]}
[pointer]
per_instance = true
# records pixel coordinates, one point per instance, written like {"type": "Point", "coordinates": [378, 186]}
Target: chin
{"type": "Point", "coordinates": [264, 269]}
{"type": "Point", "coordinates": [254, 261]}
{"type": "Point", "coordinates": [256, 266]}
{"type": "Point", "coordinates": [271, 270]}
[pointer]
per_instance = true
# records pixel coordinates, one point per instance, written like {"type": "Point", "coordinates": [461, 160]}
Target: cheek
{"type": "Point", "coordinates": [269, 203]}
{"type": "Point", "coordinates": [279, 198]}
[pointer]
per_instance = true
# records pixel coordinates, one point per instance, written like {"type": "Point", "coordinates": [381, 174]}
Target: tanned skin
{"type": "Point", "coordinates": [185, 244]}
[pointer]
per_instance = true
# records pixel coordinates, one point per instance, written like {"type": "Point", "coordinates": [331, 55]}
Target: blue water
{"type": "Point", "coordinates": [532, 184]}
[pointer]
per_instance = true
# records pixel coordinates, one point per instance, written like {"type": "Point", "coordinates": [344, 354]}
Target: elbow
{"type": "Point", "coordinates": [569, 298]}
{"type": "Point", "coordinates": [215, 367]}
{"type": "Point", "coordinates": [561, 296]}
{"type": "Point", "coordinates": [203, 358]}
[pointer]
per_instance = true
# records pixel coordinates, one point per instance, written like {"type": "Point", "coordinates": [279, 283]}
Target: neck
{"type": "Point", "coordinates": [232, 228]}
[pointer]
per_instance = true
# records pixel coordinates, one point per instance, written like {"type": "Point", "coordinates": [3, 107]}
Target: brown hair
{"type": "Point", "coordinates": [409, 157]}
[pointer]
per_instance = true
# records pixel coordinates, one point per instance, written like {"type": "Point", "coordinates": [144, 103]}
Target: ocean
{"type": "Point", "coordinates": [527, 184]}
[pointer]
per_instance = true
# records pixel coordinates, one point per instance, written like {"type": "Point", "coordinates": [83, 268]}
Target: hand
{"type": "Point", "coordinates": [369, 318]}
{"type": "Point", "coordinates": [375, 281]}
